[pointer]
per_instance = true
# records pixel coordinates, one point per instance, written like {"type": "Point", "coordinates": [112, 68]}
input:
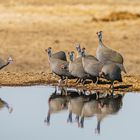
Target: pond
{"type": "Point", "coordinates": [24, 112]}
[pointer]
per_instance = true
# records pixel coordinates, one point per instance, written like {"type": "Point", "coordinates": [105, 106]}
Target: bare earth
{"type": "Point", "coordinates": [27, 28]}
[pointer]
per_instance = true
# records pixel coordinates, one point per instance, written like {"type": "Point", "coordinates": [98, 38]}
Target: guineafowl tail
{"type": "Point", "coordinates": [122, 67]}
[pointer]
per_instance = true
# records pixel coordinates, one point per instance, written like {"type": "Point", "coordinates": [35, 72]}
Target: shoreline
{"type": "Point", "coordinates": [131, 83]}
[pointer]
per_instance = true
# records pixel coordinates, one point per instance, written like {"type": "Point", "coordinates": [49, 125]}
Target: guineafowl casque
{"type": "Point", "coordinates": [105, 54]}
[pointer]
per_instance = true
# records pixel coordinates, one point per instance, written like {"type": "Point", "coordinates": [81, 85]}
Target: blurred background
{"type": "Point", "coordinates": [28, 27]}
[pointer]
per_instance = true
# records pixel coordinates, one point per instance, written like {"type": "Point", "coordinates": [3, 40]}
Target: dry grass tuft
{"type": "Point", "coordinates": [116, 16]}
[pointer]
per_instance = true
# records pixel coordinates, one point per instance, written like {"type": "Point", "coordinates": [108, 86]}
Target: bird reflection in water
{"type": "Point", "coordinates": [58, 101]}
{"type": "Point", "coordinates": [84, 104]}
{"type": "Point", "coordinates": [101, 108]}
{"type": "Point", "coordinates": [5, 104]}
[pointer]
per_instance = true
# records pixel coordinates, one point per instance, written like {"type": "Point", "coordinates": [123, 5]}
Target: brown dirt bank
{"type": "Point", "coordinates": [25, 32]}
{"type": "Point", "coordinates": [27, 28]}
{"type": "Point", "coordinates": [130, 83]}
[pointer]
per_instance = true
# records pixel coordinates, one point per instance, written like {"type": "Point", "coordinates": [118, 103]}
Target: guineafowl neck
{"type": "Point", "coordinates": [4, 65]}
{"type": "Point", "coordinates": [49, 55]}
{"type": "Point", "coordinates": [100, 42]}
{"type": "Point", "coordinates": [71, 59]}
{"type": "Point", "coordinates": [78, 54]}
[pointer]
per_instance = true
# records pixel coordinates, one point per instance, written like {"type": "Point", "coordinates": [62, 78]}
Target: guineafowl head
{"type": "Point", "coordinates": [78, 48]}
{"type": "Point", "coordinates": [83, 52]}
{"type": "Point", "coordinates": [99, 34]}
{"type": "Point", "coordinates": [71, 55]}
{"type": "Point", "coordinates": [48, 50]}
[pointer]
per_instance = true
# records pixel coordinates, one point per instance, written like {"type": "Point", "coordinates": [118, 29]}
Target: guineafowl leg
{"type": "Point", "coordinates": [77, 120]}
{"type": "Point", "coordinates": [112, 87]}
{"type": "Point", "coordinates": [66, 81]}
{"type": "Point", "coordinates": [77, 80]}
{"type": "Point", "coordinates": [97, 80]}
{"type": "Point", "coordinates": [60, 82]}
{"type": "Point", "coordinates": [83, 81]}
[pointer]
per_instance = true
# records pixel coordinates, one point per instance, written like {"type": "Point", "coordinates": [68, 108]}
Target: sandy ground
{"type": "Point", "coordinates": [27, 28]}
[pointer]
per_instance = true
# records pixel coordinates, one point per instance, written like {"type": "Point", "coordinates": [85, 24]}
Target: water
{"type": "Point", "coordinates": [30, 108]}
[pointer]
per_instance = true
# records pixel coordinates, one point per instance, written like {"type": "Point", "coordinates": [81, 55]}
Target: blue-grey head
{"type": "Point", "coordinates": [48, 50]}
{"type": "Point", "coordinates": [71, 55]}
{"type": "Point", "coordinates": [83, 52]}
{"type": "Point", "coordinates": [78, 48]}
{"type": "Point", "coordinates": [99, 34]}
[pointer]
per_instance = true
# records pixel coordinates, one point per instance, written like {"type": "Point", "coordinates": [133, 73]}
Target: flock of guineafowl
{"type": "Point", "coordinates": [107, 64]}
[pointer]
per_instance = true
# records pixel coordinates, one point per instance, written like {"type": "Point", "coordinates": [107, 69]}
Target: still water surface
{"type": "Point", "coordinates": [30, 108]}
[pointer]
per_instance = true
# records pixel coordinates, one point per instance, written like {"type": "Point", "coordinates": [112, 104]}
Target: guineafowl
{"type": "Point", "coordinates": [105, 54]}
{"type": "Point", "coordinates": [91, 65]}
{"type": "Point", "coordinates": [76, 68]}
{"type": "Point", "coordinates": [58, 55]}
{"type": "Point", "coordinates": [59, 67]}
